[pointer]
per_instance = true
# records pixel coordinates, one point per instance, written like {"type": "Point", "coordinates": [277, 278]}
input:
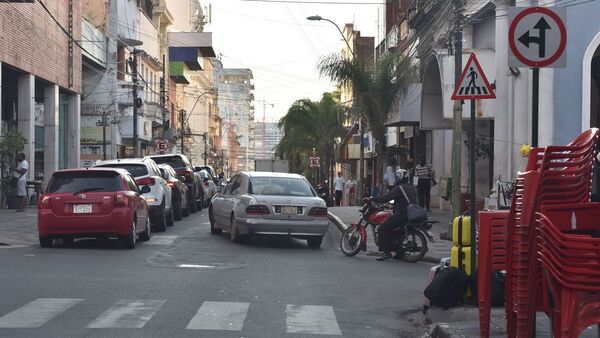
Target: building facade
{"type": "Point", "coordinates": [38, 98]}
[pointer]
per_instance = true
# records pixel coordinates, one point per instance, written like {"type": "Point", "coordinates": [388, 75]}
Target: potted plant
{"type": "Point", "coordinates": [11, 144]}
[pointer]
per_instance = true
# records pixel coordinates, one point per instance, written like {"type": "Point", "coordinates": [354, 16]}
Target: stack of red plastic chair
{"type": "Point", "coordinates": [555, 175]}
{"type": "Point", "coordinates": [491, 256]}
{"type": "Point", "coordinates": [570, 259]}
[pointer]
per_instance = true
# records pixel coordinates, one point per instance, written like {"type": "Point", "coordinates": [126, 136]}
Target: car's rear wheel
{"type": "Point", "coordinates": [129, 240]}
{"type": "Point", "coordinates": [192, 206]}
{"type": "Point", "coordinates": [46, 241]}
{"type": "Point", "coordinates": [177, 211]}
{"type": "Point", "coordinates": [145, 236]}
{"type": "Point", "coordinates": [211, 218]}
{"type": "Point", "coordinates": [170, 217]}
{"type": "Point", "coordinates": [160, 222]}
{"type": "Point", "coordinates": [234, 235]}
{"type": "Point", "coordinates": [314, 242]}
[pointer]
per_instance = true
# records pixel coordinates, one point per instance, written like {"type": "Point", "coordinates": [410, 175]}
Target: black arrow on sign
{"type": "Point", "coordinates": [542, 25]}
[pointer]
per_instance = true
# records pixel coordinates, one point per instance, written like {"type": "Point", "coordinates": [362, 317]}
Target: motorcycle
{"type": "Point", "coordinates": [323, 192]}
{"type": "Point", "coordinates": [409, 241]}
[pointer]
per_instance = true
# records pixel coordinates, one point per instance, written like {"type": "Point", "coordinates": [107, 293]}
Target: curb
{"type": "Point", "coordinates": [342, 226]}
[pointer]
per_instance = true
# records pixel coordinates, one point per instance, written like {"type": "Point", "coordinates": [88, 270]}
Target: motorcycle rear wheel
{"type": "Point", "coordinates": [414, 246]}
{"type": "Point", "coordinates": [351, 241]}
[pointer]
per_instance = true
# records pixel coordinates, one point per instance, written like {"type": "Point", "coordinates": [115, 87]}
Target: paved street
{"type": "Point", "coordinates": [188, 283]}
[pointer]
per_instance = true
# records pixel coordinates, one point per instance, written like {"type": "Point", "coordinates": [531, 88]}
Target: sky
{"type": "Point", "coordinates": [282, 47]}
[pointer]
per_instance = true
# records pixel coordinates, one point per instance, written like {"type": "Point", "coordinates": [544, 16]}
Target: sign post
{"type": "Point", "coordinates": [537, 37]}
{"type": "Point", "coordinates": [473, 85]}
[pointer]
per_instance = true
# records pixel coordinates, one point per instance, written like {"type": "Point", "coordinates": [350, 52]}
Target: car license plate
{"type": "Point", "coordinates": [289, 210]}
{"type": "Point", "coordinates": [82, 209]}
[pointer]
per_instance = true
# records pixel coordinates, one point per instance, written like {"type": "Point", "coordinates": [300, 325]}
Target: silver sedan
{"type": "Point", "coordinates": [266, 203]}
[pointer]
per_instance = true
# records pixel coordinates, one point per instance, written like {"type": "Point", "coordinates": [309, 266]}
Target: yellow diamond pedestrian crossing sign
{"type": "Point", "coordinates": [473, 84]}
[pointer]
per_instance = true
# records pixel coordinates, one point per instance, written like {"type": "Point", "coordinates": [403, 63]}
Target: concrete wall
{"type": "Point", "coordinates": [582, 26]}
{"type": "Point", "coordinates": [43, 41]}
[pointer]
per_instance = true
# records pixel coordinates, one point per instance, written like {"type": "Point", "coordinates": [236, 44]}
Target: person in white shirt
{"type": "Point", "coordinates": [351, 186]}
{"type": "Point", "coordinates": [339, 189]}
{"type": "Point", "coordinates": [390, 178]}
{"type": "Point", "coordinates": [19, 174]}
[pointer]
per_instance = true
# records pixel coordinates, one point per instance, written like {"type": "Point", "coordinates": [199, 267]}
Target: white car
{"type": "Point", "coordinates": [209, 185]}
{"type": "Point", "coordinates": [146, 173]}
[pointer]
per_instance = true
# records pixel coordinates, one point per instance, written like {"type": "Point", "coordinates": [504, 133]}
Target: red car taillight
{"type": "Point", "coordinates": [318, 212]}
{"type": "Point", "coordinates": [145, 181]}
{"type": "Point", "coordinates": [45, 202]}
{"type": "Point", "coordinates": [257, 210]}
{"type": "Point", "coordinates": [206, 184]}
{"type": "Point", "coordinates": [121, 200]}
{"type": "Point", "coordinates": [171, 184]}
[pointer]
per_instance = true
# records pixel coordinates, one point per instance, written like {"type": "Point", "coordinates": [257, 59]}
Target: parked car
{"type": "Point", "coordinates": [209, 185]}
{"type": "Point", "coordinates": [179, 189]}
{"type": "Point", "coordinates": [267, 203]}
{"type": "Point", "coordinates": [146, 173]}
{"type": "Point", "coordinates": [183, 167]}
{"type": "Point", "coordinates": [98, 202]}
{"type": "Point", "coordinates": [208, 168]}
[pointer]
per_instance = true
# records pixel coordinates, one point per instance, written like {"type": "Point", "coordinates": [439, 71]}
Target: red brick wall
{"type": "Point", "coordinates": [31, 41]}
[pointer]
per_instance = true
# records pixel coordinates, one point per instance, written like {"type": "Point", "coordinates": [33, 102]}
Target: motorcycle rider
{"type": "Point", "coordinates": [400, 214]}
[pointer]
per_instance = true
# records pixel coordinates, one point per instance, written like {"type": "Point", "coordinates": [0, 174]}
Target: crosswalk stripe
{"type": "Point", "coordinates": [37, 313]}
{"type": "Point", "coordinates": [312, 319]}
{"type": "Point", "coordinates": [228, 316]}
{"type": "Point", "coordinates": [127, 314]}
{"type": "Point", "coordinates": [161, 239]}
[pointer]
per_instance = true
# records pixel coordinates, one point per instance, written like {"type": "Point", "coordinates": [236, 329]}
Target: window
{"type": "Point", "coordinates": [131, 183]}
{"type": "Point", "coordinates": [136, 170]}
{"type": "Point", "coordinates": [279, 186]}
{"type": "Point", "coordinates": [87, 181]}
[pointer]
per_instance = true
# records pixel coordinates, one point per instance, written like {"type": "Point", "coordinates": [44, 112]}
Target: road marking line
{"type": "Point", "coordinates": [312, 319]}
{"type": "Point", "coordinates": [195, 266]}
{"type": "Point", "coordinates": [37, 313]}
{"type": "Point", "coordinates": [161, 239]}
{"type": "Point", "coordinates": [127, 314]}
{"type": "Point", "coordinates": [219, 316]}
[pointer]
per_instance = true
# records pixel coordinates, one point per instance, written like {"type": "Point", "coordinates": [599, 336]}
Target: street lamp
{"type": "Point", "coordinates": [319, 18]}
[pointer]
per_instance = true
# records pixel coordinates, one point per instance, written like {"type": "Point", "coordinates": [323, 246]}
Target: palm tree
{"type": "Point", "coordinates": [311, 126]}
{"type": "Point", "coordinates": [375, 93]}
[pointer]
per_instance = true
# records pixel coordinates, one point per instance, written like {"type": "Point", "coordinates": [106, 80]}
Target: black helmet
{"type": "Point", "coordinates": [401, 176]}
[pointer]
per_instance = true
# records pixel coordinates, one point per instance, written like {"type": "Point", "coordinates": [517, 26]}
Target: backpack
{"type": "Point", "coordinates": [447, 287]}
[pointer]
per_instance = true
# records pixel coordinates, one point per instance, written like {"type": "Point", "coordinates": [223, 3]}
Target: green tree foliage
{"type": "Point", "coordinates": [375, 92]}
{"type": "Point", "coordinates": [11, 144]}
{"type": "Point", "coordinates": [311, 125]}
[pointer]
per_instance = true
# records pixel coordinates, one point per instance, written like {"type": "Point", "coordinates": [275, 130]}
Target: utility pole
{"type": "Point", "coordinates": [457, 113]}
{"type": "Point", "coordinates": [104, 124]}
{"type": "Point", "coordinates": [134, 79]}
{"type": "Point", "coordinates": [182, 119]}
{"type": "Point", "coordinates": [163, 97]}
{"type": "Point", "coordinates": [205, 155]}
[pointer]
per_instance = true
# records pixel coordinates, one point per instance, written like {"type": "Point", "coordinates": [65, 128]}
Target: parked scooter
{"type": "Point", "coordinates": [409, 241]}
{"type": "Point", "coordinates": [323, 192]}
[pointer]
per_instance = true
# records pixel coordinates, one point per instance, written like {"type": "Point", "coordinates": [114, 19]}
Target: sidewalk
{"type": "Point", "coordinates": [18, 228]}
{"type": "Point", "coordinates": [343, 216]}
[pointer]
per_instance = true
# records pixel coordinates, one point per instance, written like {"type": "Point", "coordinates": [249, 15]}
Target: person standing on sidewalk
{"type": "Point", "coordinates": [339, 189]}
{"type": "Point", "coordinates": [424, 176]}
{"type": "Point", "coordinates": [19, 174]}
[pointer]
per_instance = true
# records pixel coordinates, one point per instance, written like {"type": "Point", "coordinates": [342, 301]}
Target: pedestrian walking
{"type": "Point", "coordinates": [339, 189]}
{"type": "Point", "coordinates": [351, 186]}
{"type": "Point", "coordinates": [19, 175]}
{"type": "Point", "coordinates": [424, 178]}
{"type": "Point", "coordinates": [390, 178]}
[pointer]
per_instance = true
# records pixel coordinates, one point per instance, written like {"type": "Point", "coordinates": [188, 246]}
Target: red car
{"type": "Point", "coordinates": [96, 202]}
